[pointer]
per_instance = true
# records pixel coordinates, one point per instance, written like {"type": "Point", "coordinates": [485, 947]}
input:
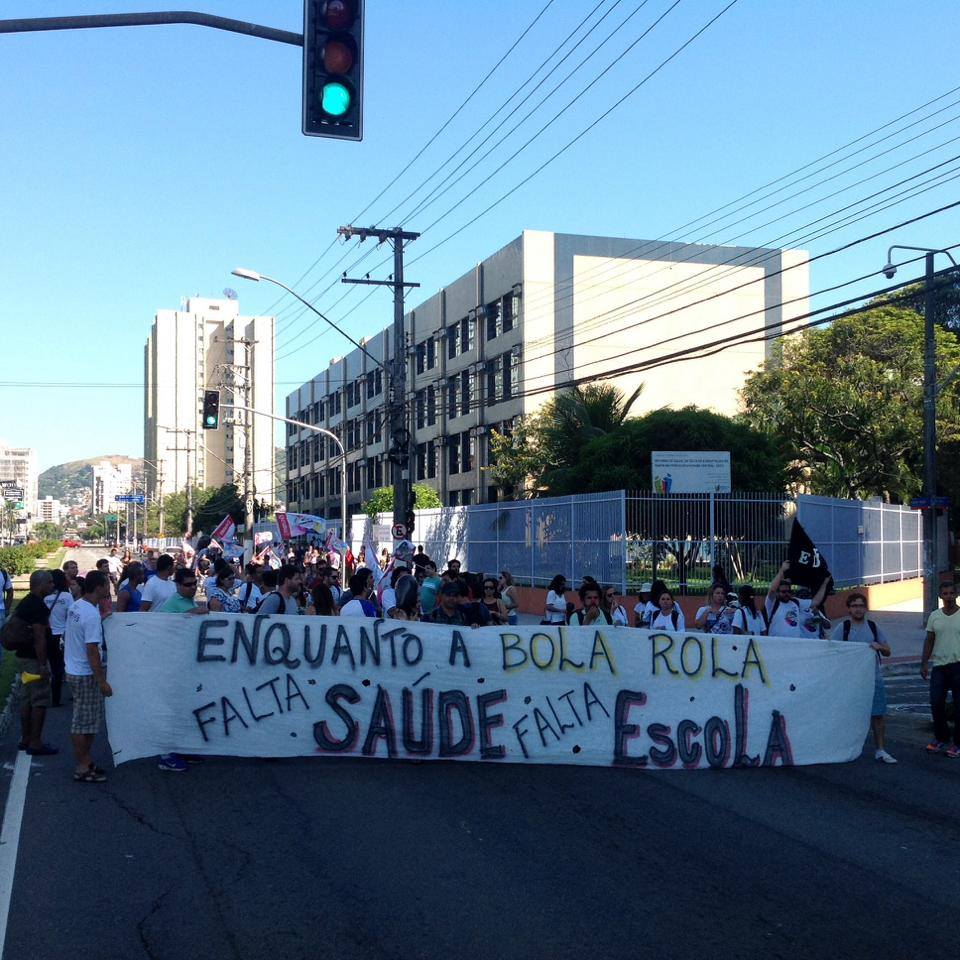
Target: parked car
{"type": "Point", "coordinates": [70, 542]}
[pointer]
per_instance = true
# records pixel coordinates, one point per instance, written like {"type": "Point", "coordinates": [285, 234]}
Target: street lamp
{"type": "Point", "coordinates": [245, 274]}
{"type": "Point", "coordinates": [930, 391]}
{"type": "Point", "coordinates": [343, 460]}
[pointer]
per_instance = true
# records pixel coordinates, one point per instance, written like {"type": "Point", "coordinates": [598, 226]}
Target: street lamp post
{"type": "Point", "coordinates": [343, 460]}
{"type": "Point", "coordinates": [930, 390]}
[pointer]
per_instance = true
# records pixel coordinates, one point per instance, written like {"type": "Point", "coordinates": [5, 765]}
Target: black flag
{"type": "Point", "coordinates": [808, 566]}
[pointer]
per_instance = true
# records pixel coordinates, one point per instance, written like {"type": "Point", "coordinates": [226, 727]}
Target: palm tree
{"type": "Point", "coordinates": [576, 416]}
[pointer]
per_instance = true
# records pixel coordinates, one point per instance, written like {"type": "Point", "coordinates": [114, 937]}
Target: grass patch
{"type": "Point", "coordinates": [8, 669]}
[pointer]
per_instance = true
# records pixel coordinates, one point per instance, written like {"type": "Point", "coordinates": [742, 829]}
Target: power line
{"type": "Point", "coordinates": [579, 136]}
{"type": "Point", "coordinates": [431, 140]}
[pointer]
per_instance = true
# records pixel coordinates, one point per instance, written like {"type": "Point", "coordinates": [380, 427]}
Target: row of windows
{"type": "Point", "coordinates": [332, 405]}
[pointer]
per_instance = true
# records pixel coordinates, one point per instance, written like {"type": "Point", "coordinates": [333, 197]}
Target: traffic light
{"type": "Point", "coordinates": [333, 69]}
{"type": "Point", "coordinates": [211, 409]}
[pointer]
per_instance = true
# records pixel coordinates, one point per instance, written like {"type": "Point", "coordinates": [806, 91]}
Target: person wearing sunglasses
{"type": "Point", "coordinates": [492, 601]}
{"type": "Point", "coordinates": [185, 599]}
{"type": "Point", "coordinates": [615, 611]}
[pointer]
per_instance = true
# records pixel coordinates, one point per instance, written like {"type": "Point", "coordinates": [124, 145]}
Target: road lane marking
{"type": "Point", "coordinates": [10, 837]}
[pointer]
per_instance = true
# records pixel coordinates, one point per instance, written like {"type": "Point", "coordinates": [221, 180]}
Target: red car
{"type": "Point", "coordinates": [72, 543]}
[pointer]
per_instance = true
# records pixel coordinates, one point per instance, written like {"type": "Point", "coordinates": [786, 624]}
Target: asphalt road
{"type": "Point", "coordinates": [315, 858]}
{"type": "Point", "coordinates": [377, 859]}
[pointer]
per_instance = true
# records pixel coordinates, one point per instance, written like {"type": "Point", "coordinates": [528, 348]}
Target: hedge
{"type": "Point", "coordinates": [24, 559]}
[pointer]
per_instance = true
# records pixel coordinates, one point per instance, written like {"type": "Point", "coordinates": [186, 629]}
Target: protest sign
{"type": "Point", "coordinates": [229, 684]}
{"type": "Point", "coordinates": [300, 524]}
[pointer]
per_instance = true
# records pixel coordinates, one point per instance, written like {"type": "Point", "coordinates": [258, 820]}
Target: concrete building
{"type": "Point", "coordinates": [207, 345]}
{"type": "Point", "coordinates": [19, 464]}
{"type": "Point", "coordinates": [50, 510]}
{"type": "Point", "coordinates": [110, 480]}
{"type": "Point", "coordinates": [498, 342]}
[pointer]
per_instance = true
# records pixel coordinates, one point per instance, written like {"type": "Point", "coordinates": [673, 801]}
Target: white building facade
{"type": "Point", "coordinates": [207, 345]}
{"type": "Point", "coordinates": [545, 311]}
{"type": "Point", "coordinates": [19, 465]}
{"type": "Point", "coordinates": [110, 480]}
{"type": "Point", "coordinates": [50, 510]}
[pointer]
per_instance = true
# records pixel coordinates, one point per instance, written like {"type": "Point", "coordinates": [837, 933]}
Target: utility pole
{"type": "Point", "coordinates": [236, 378]}
{"type": "Point", "coordinates": [160, 493]}
{"type": "Point", "coordinates": [402, 448]}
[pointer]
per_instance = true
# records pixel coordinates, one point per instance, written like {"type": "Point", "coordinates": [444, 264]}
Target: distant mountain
{"type": "Point", "coordinates": [72, 482]}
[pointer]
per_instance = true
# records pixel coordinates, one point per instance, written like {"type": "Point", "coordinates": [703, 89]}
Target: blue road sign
{"type": "Point", "coordinates": [131, 498]}
{"type": "Point", "coordinates": [926, 503]}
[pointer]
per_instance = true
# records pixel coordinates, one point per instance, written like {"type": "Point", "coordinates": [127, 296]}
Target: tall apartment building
{"type": "Point", "coordinates": [207, 345]}
{"type": "Point", "coordinates": [20, 465]}
{"type": "Point", "coordinates": [498, 342]}
{"type": "Point", "coordinates": [110, 480]}
{"type": "Point", "coordinates": [50, 510]}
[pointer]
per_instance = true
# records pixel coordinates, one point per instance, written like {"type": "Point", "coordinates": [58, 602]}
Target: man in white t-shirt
{"type": "Point", "coordinates": [114, 568]}
{"type": "Point", "coordinates": [160, 588]}
{"type": "Point", "coordinates": [788, 616]}
{"type": "Point", "coordinates": [85, 659]}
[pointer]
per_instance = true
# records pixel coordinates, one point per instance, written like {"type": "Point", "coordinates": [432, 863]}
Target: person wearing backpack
{"type": "Point", "coordinates": [591, 608]}
{"type": "Point", "coordinates": [748, 620]}
{"type": "Point", "coordinates": [857, 628]}
{"type": "Point", "coordinates": [788, 616]}
{"type": "Point", "coordinates": [669, 616]}
{"type": "Point", "coordinates": [28, 624]}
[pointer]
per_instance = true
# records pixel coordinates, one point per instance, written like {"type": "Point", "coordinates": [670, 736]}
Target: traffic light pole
{"type": "Point", "coordinates": [402, 448]}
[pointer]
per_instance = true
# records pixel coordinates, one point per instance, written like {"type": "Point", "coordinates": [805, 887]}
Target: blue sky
{"type": "Point", "coordinates": [141, 165]}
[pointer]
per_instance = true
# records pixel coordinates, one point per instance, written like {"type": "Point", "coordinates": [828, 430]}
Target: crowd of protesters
{"type": "Point", "coordinates": [62, 615]}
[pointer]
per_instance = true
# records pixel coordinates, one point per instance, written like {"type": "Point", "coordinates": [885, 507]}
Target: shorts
{"type": "Point", "coordinates": [879, 708]}
{"type": "Point", "coordinates": [87, 704]}
{"type": "Point", "coordinates": [36, 693]}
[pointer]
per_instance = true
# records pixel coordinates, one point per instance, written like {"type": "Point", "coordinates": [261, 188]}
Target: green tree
{"type": "Point", "coordinates": [48, 531]}
{"type": "Point", "coordinates": [546, 444]}
{"type": "Point", "coordinates": [621, 459]}
{"type": "Point", "coordinates": [381, 500]}
{"type": "Point", "coordinates": [845, 404]}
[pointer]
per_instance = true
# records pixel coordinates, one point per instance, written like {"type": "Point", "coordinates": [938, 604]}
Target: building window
{"type": "Point", "coordinates": [453, 455]}
{"type": "Point", "coordinates": [513, 386]}
{"type": "Point", "coordinates": [431, 405]}
{"type": "Point", "coordinates": [379, 482]}
{"type": "Point", "coordinates": [316, 448]}
{"type": "Point", "coordinates": [468, 451]}
{"type": "Point", "coordinates": [495, 381]}
{"type": "Point", "coordinates": [466, 391]}
{"type": "Point", "coordinates": [422, 357]}
{"type": "Point", "coordinates": [421, 461]}
{"type": "Point", "coordinates": [453, 498]}
{"type": "Point", "coordinates": [511, 303]}
{"type": "Point", "coordinates": [371, 475]}
{"type": "Point", "coordinates": [431, 353]}
{"type": "Point", "coordinates": [421, 407]}
{"type": "Point", "coordinates": [453, 340]}
{"type": "Point", "coordinates": [452, 396]}
{"type": "Point", "coordinates": [290, 491]}
{"type": "Point", "coordinates": [466, 335]}
{"type": "Point", "coordinates": [316, 485]}
{"type": "Point", "coordinates": [494, 328]}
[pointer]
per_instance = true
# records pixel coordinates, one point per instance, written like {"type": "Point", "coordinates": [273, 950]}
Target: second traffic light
{"type": "Point", "coordinates": [333, 69]}
{"type": "Point", "coordinates": [211, 409]}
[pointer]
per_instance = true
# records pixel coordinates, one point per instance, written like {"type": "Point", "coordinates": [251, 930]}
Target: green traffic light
{"type": "Point", "coordinates": [211, 421]}
{"type": "Point", "coordinates": [335, 99]}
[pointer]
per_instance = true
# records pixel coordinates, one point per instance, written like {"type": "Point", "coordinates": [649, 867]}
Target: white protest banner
{"type": "Point", "coordinates": [229, 684]}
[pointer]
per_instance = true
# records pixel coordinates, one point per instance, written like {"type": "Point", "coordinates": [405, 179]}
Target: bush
{"type": "Point", "coordinates": [24, 559]}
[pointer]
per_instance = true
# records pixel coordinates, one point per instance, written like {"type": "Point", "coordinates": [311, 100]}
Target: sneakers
{"type": "Point", "coordinates": [172, 763]}
{"type": "Point", "coordinates": [953, 752]}
{"type": "Point", "coordinates": [884, 757]}
{"type": "Point", "coordinates": [935, 746]}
